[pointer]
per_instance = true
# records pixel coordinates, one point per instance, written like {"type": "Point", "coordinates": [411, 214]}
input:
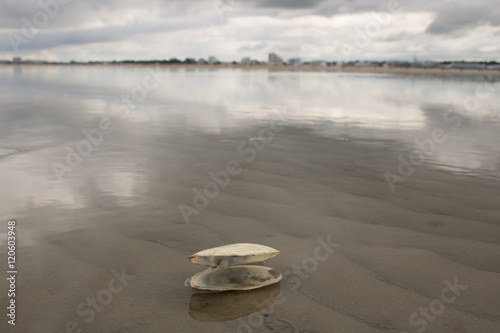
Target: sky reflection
{"type": "Point", "coordinates": [44, 109]}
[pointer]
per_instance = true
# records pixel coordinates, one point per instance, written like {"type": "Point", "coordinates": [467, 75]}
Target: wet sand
{"type": "Point", "coordinates": [393, 251]}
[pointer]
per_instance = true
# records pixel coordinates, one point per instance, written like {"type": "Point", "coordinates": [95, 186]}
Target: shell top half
{"type": "Point", "coordinates": [235, 254]}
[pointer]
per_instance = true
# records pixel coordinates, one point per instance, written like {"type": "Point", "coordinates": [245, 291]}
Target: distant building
{"type": "Point", "coordinates": [294, 62]}
{"type": "Point", "coordinates": [493, 66]}
{"type": "Point", "coordinates": [401, 64]}
{"type": "Point", "coordinates": [201, 61]}
{"type": "Point", "coordinates": [212, 60]}
{"type": "Point", "coordinates": [429, 64]}
{"type": "Point", "coordinates": [17, 60]}
{"type": "Point", "coordinates": [275, 59]}
{"type": "Point", "coordinates": [363, 64]}
{"type": "Point", "coordinates": [245, 61]}
{"type": "Point", "coordinates": [318, 63]}
{"type": "Point", "coordinates": [465, 65]}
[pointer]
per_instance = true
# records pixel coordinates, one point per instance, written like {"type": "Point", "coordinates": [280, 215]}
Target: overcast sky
{"type": "Point", "coordinates": [231, 29]}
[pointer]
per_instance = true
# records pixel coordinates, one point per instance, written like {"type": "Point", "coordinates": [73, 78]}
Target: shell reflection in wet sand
{"type": "Point", "coordinates": [228, 305]}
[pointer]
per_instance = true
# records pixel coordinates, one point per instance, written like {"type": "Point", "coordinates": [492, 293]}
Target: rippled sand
{"type": "Point", "coordinates": [392, 256]}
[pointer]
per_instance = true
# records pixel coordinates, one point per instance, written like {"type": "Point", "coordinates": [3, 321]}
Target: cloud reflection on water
{"type": "Point", "coordinates": [46, 108]}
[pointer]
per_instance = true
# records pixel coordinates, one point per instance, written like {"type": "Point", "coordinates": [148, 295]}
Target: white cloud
{"type": "Point", "coordinates": [157, 29]}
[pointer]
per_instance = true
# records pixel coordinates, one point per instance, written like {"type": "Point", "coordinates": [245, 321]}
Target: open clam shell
{"type": "Point", "coordinates": [234, 254]}
{"type": "Point", "coordinates": [235, 278]}
{"type": "Point", "coordinates": [229, 271]}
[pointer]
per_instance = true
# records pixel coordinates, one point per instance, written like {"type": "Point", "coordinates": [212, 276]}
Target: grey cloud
{"type": "Point", "coordinates": [72, 13]}
{"type": "Point", "coordinates": [289, 48]}
{"type": "Point", "coordinates": [288, 4]}
{"type": "Point", "coordinates": [116, 33]}
{"type": "Point", "coordinates": [132, 21]}
{"type": "Point", "coordinates": [453, 18]}
{"type": "Point", "coordinates": [321, 7]}
{"type": "Point", "coordinates": [76, 13]}
{"type": "Point", "coordinates": [398, 36]}
{"type": "Point", "coordinates": [253, 48]}
{"type": "Point", "coordinates": [343, 6]}
{"type": "Point", "coordinates": [334, 7]}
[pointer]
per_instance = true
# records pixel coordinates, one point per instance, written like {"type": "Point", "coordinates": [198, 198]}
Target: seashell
{"type": "Point", "coordinates": [235, 254]}
{"type": "Point", "coordinates": [229, 271]}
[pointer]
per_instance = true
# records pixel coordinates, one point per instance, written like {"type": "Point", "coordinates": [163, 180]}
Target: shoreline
{"type": "Point", "coordinates": [349, 69]}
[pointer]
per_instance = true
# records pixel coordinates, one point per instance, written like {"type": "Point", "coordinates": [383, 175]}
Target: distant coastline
{"type": "Point", "coordinates": [367, 69]}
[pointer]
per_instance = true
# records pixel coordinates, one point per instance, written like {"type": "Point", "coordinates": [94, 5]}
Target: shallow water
{"type": "Point", "coordinates": [45, 109]}
{"type": "Point", "coordinates": [117, 204]}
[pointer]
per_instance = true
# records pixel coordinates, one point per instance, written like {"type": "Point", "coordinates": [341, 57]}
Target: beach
{"type": "Point", "coordinates": [105, 248]}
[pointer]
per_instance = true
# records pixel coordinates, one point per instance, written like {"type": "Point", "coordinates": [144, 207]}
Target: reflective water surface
{"type": "Point", "coordinates": [163, 141]}
{"type": "Point", "coordinates": [45, 109]}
